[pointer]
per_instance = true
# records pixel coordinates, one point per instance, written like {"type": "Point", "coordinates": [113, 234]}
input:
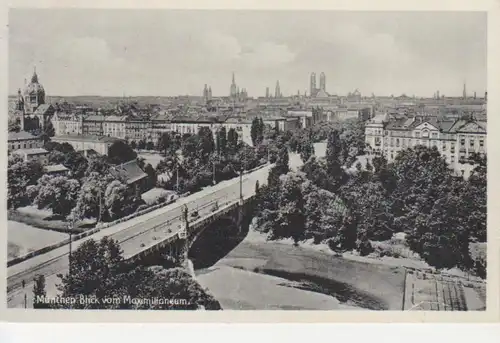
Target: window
{"type": "Point", "coordinates": [471, 143]}
{"type": "Point", "coordinates": [434, 135]}
{"type": "Point", "coordinates": [417, 134]}
{"type": "Point", "coordinates": [462, 141]}
{"type": "Point", "coordinates": [452, 149]}
{"type": "Point", "coordinates": [452, 159]}
{"type": "Point", "coordinates": [444, 146]}
{"type": "Point", "coordinates": [481, 142]}
{"type": "Point", "coordinates": [425, 133]}
{"type": "Point", "coordinates": [397, 142]}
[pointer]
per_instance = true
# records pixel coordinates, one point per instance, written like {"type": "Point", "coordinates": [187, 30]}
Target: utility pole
{"type": "Point", "coordinates": [177, 182]}
{"type": "Point", "coordinates": [213, 172]}
{"type": "Point", "coordinates": [70, 251]}
{"type": "Point", "coordinates": [241, 185]}
{"type": "Point", "coordinates": [25, 296]}
{"type": "Point", "coordinates": [100, 205]}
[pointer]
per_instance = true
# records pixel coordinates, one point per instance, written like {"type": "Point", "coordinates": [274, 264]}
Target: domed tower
{"type": "Point", "coordinates": [34, 95]}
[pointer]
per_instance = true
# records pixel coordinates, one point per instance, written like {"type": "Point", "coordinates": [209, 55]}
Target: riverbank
{"type": "Point", "coordinates": [264, 275]}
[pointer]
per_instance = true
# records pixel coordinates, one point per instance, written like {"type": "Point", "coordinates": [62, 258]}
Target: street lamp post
{"type": "Point", "coordinates": [70, 257]}
{"type": "Point", "coordinates": [177, 181]}
{"type": "Point", "coordinates": [241, 185]}
{"type": "Point", "coordinates": [213, 172]}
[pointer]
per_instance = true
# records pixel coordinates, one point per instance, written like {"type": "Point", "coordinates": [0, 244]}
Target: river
{"type": "Point", "coordinates": [260, 275]}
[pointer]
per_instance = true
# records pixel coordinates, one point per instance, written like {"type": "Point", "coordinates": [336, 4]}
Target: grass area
{"type": "Point", "coordinates": [45, 220]}
{"type": "Point", "coordinates": [151, 158]}
{"type": "Point", "coordinates": [24, 238]}
{"type": "Point", "coordinates": [150, 197]}
{"type": "Point", "coordinates": [13, 250]}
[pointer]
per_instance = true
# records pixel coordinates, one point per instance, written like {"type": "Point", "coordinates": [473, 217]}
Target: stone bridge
{"type": "Point", "coordinates": [178, 244]}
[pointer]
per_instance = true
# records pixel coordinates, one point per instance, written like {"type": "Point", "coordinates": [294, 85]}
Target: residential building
{"type": "Point", "coordinates": [23, 140]}
{"type": "Point", "coordinates": [67, 124]}
{"type": "Point", "coordinates": [132, 175]}
{"type": "Point", "coordinates": [138, 129]}
{"type": "Point", "coordinates": [86, 143]}
{"type": "Point", "coordinates": [36, 154]}
{"type": "Point", "coordinates": [58, 170]}
{"type": "Point", "coordinates": [456, 140]}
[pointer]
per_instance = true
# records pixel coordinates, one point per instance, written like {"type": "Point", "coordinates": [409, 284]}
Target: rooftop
{"type": "Point", "coordinates": [130, 171]}
{"type": "Point", "coordinates": [34, 151]}
{"type": "Point", "coordinates": [21, 135]}
{"type": "Point", "coordinates": [55, 168]}
{"type": "Point", "coordinates": [86, 138]}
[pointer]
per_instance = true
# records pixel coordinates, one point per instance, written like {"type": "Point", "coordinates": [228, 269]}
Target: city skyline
{"type": "Point", "coordinates": [380, 53]}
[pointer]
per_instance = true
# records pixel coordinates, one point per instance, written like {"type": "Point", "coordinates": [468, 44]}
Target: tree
{"type": "Point", "coordinates": [133, 145]}
{"type": "Point", "coordinates": [56, 157]}
{"type": "Point", "coordinates": [13, 126]}
{"type": "Point", "coordinates": [120, 152]}
{"type": "Point", "coordinates": [306, 151]}
{"type": "Point", "coordinates": [90, 202]}
{"type": "Point", "coordinates": [232, 141]}
{"type": "Point", "coordinates": [150, 145]}
{"type": "Point", "coordinates": [141, 145]}
{"type": "Point", "coordinates": [290, 218]}
{"type": "Point", "coordinates": [148, 169]}
{"type": "Point", "coordinates": [165, 142]}
{"type": "Point", "coordinates": [257, 131]}
{"type": "Point", "coordinates": [20, 175]}
{"type": "Point", "coordinates": [282, 163]}
{"type": "Point", "coordinates": [260, 135]}
{"type": "Point", "coordinates": [76, 163]}
{"type": "Point", "coordinates": [333, 162]}
{"type": "Point", "coordinates": [98, 164]}
{"type": "Point", "coordinates": [190, 147]}
{"type": "Point", "coordinates": [206, 144]}
{"type": "Point", "coordinates": [222, 141]}
{"type": "Point", "coordinates": [94, 271]}
{"type": "Point", "coordinates": [48, 131]}
{"type": "Point", "coordinates": [58, 193]}
{"type": "Point", "coordinates": [118, 201]}
{"type": "Point", "coordinates": [65, 148]}
{"type": "Point", "coordinates": [316, 171]}
{"type": "Point", "coordinates": [98, 270]}
{"type": "Point", "coordinates": [441, 236]}
{"type": "Point", "coordinates": [39, 293]}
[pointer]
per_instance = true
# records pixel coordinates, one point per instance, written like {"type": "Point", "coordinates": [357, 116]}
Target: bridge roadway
{"type": "Point", "coordinates": [132, 235]}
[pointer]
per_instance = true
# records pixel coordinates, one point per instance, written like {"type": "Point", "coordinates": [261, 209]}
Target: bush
{"type": "Point", "coordinates": [141, 208]}
{"type": "Point", "coordinates": [162, 199]}
{"type": "Point", "coordinates": [364, 247]}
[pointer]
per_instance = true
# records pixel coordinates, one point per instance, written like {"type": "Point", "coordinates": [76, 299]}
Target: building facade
{"type": "Point", "coordinates": [457, 141]}
{"type": "Point", "coordinates": [22, 140]}
{"type": "Point", "coordinates": [85, 143]}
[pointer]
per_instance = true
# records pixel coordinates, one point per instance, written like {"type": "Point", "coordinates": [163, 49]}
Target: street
{"type": "Point", "coordinates": [132, 234]}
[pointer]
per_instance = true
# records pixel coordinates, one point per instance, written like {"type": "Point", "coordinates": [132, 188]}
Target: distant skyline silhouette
{"type": "Point", "coordinates": [177, 52]}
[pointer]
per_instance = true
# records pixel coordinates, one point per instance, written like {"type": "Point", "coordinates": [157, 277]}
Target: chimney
{"type": "Point", "coordinates": [485, 96]}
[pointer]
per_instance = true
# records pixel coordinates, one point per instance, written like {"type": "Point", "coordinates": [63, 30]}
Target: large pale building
{"type": "Point", "coordinates": [456, 140]}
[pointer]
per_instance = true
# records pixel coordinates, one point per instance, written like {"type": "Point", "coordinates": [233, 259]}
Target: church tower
{"type": "Point", "coordinates": [34, 95]}
{"type": "Point", "coordinates": [312, 86]}
{"type": "Point", "coordinates": [277, 91]}
{"type": "Point", "coordinates": [322, 81]}
{"type": "Point", "coordinates": [233, 90]}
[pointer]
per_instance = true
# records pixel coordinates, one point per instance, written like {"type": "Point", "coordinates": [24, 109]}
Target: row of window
{"type": "Point", "coordinates": [25, 145]}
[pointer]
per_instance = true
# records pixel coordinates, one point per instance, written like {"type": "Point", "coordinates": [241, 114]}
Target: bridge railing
{"type": "Point", "coordinates": [200, 222]}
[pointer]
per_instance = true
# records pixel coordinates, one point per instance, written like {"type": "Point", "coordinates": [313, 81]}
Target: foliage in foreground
{"type": "Point", "coordinates": [98, 271]}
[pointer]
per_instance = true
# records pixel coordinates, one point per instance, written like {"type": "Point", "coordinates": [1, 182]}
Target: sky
{"type": "Point", "coordinates": [176, 52]}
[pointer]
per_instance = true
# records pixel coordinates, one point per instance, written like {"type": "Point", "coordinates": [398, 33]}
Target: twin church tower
{"type": "Point", "coordinates": [313, 90]}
